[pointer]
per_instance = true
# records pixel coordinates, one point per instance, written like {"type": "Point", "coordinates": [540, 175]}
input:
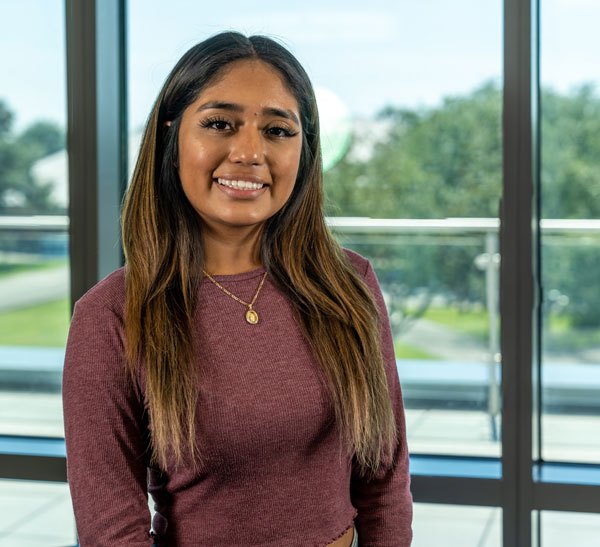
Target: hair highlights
{"type": "Point", "coordinates": [162, 239]}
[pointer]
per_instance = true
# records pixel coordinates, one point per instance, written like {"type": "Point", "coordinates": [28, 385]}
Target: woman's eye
{"type": "Point", "coordinates": [280, 132]}
{"type": "Point", "coordinates": [219, 125]}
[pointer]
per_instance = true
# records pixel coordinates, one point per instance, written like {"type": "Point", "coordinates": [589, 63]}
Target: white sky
{"type": "Point", "coordinates": [369, 53]}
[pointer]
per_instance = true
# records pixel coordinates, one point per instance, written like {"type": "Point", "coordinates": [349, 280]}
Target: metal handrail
{"type": "Point", "coordinates": [54, 223]}
{"type": "Point", "coordinates": [453, 225]}
{"type": "Point", "coordinates": [353, 224]}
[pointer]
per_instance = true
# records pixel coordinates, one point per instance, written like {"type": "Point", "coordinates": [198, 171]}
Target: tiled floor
{"type": "Point", "coordinates": [455, 526]}
{"type": "Point", "coordinates": [40, 515]}
{"type": "Point", "coordinates": [570, 529]}
{"type": "Point", "coordinates": [34, 514]}
{"type": "Point", "coordinates": [566, 437]}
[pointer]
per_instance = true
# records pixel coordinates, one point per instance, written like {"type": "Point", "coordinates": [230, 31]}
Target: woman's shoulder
{"type": "Point", "coordinates": [109, 292]}
{"type": "Point", "coordinates": [360, 263]}
{"type": "Point", "coordinates": [364, 267]}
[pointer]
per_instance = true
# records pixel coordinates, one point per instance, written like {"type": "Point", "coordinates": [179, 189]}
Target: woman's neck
{"type": "Point", "coordinates": [232, 253]}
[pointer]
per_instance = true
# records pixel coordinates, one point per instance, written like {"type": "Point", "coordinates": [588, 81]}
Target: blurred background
{"type": "Point", "coordinates": [411, 99]}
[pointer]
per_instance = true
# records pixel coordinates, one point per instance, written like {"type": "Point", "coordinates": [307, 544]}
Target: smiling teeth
{"type": "Point", "coordinates": [240, 184]}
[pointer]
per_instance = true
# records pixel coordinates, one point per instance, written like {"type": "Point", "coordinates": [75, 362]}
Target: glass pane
{"type": "Point", "coordinates": [410, 101]}
{"type": "Point", "coordinates": [36, 514]}
{"type": "Point", "coordinates": [456, 526]}
{"type": "Point", "coordinates": [560, 529]}
{"type": "Point", "coordinates": [34, 264]}
{"type": "Point", "coordinates": [570, 231]}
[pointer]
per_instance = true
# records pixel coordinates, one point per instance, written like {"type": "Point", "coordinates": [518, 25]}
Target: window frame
{"type": "Point", "coordinates": [519, 482]}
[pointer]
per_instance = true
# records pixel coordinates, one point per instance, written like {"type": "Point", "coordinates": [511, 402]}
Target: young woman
{"type": "Point", "coordinates": [240, 368]}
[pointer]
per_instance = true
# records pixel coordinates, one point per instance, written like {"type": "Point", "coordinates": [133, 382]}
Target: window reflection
{"type": "Point", "coordinates": [570, 125]}
{"type": "Point", "coordinates": [34, 264]}
{"type": "Point", "coordinates": [422, 144]}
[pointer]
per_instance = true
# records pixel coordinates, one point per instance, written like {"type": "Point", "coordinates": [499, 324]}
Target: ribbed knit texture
{"type": "Point", "coordinates": [274, 473]}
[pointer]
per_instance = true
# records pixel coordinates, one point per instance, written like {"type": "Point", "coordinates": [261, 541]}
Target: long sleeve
{"type": "Point", "coordinates": [104, 433]}
{"type": "Point", "coordinates": [384, 503]}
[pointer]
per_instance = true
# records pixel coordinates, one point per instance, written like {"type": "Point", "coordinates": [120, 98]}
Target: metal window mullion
{"type": "Point", "coordinates": [81, 143]}
{"type": "Point", "coordinates": [518, 268]}
{"type": "Point", "coordinates": [96, 143]}
{"type": "Point", "coordinates": [33, 468]}
{"type": "Point", "coordinates": [584, 498]}
{"type": "Point", "coordinates": [96, 136]}
{"type": "Point", "coordinates": [456, 490]}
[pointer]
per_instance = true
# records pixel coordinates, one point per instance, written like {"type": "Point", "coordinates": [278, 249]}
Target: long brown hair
{"type": "Point", "coordinates": [162, 240]}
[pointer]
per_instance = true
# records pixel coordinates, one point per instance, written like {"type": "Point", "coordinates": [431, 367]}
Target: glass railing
{"type": "Point", "coordinates": [440, 279]}
{"type": "Point", "coordinates": [34, 320]}
{"type": "Point", "coordinates": [441, 282]}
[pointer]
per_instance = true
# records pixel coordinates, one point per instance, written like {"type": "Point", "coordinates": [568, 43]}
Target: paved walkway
{"type": "Point", "coordinates": [445, 343]}
{"type": "Point", "coordinates": [30, 288]}
{"type": "Point", "coordinates": [451, 345]}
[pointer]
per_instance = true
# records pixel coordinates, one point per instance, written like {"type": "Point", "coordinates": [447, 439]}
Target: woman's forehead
{"type": "Point", "coordinates": [250, 82]}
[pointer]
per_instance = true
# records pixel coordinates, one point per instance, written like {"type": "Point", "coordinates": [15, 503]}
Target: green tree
{"type": "Point", "coordinates": [436, 163]}
{"type": "Point", "coordinates": [433, 163]}
{"type": "Point", "coordinates": [447, 162]}
{"type": "Point", "coordinates": [571, 190]}
{"type": "Point", "coordinates": [18, 153]}
{"type": "Point", "coordinates": [571, 154]}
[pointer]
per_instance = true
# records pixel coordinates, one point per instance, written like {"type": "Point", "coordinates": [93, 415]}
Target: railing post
{"type": "Point", "coordinates": [492, 285]}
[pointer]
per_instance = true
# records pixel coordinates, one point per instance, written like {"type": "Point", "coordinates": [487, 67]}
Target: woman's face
{"type": "Point", "coordinates": [239, 147]}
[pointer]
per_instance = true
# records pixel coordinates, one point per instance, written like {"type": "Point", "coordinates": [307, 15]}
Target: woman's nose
{"type": "Point", "coordinates": [247, 147]}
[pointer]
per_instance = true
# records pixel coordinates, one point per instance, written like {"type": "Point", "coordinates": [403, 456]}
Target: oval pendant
{"type": "Point", "coordinates": [252, 317]}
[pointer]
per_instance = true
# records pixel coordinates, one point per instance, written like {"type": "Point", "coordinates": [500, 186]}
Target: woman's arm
{"type": "Point", "coordinates": [384, 504]}
{"type": "Point", "coordinates": [104, 433]}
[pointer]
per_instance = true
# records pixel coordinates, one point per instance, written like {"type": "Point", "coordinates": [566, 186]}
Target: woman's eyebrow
{"type": "Point", "coordinates": [282, 113]}
{"type": "Point", "coordinates": [220, 105]}
{"type": "Point", "coordinates": [233, 107]}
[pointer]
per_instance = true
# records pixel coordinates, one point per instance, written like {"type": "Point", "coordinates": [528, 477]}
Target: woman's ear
{"type": "Point", "coordinates": [168, 123]}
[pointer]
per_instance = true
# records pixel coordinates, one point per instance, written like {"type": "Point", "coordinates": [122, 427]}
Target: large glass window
{"type": "Point", "coordinates": [570, 182]}
{"type": "Point", "coordinates": [456, 526]}
{"type": "Point", "coordinates": [559, 528]}
{"type": "Point", "coordinates": [36, 514]}
{"type": "Point", "coordinates": [34, 264]}
{"type": "Point", "coordinates": [410, 101]}
{"type": "Point", "coordinates": [411, 97]}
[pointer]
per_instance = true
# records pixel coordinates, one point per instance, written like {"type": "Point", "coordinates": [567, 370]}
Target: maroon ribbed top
{"type": "Point", "coordinates": [274, 473]}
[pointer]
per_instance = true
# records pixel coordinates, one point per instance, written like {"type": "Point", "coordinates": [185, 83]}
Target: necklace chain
{"type": "Point", "coordinates": [251, 315]}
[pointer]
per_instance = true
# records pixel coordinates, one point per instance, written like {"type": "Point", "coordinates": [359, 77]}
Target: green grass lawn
{"type": "Point", "coordinates": [14, 269]}
{"type": "Point", "coordinates": [47, 325]}
{"type": "Point", "coordinates": [404, 351]}
{"type": "Point", "coordinates": [41, 325]}
{"type": "Point", "coordinates": [473, 323]}
{"type": "Point", "coordinates": [558, 333]}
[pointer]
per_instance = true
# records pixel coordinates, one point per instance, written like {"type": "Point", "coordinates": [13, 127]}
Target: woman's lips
{"type": "Point", "coordinates": [240, 189]}
{"type": "Point", "coordinates": [241, 182]}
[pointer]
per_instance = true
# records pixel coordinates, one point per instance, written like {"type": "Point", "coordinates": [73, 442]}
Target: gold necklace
{"type": "Point", "coordinates": [251, 315]}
